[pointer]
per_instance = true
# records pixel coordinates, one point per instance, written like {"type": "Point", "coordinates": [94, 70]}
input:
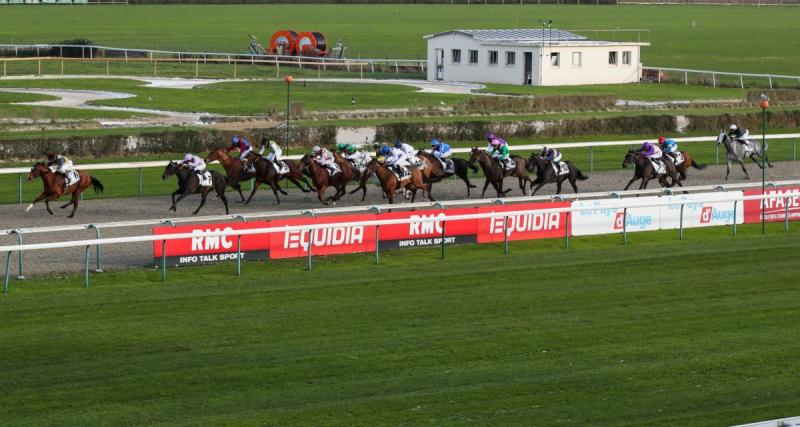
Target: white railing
{"type": "Point", "coordinates": [98, 227]}
{"type": "Point", "coordinates": [686, 72]}
{"type": "Point", "coordinates": [88, 53]}
{"type": "Point", "coordinates": [88, 243]}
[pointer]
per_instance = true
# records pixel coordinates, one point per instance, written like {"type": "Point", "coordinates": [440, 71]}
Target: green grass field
{"type": "Point", "coordinates": [45, 115]}
{"type": "Point", "coordinates": [718, 38]}
{"type": "Point", "coordinates": [601, 334]}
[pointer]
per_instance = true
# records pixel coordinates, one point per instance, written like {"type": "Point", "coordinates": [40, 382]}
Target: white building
{"type": "Point", "coordinates": [537, 57]}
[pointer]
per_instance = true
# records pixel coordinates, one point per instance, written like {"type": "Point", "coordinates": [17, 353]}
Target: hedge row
{"type": "Point", "coordinates": [476, 2]}
{"type": "Point", "coordinates": [517, 104]}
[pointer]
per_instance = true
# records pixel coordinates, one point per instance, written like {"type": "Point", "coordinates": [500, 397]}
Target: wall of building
{"type": "Point", "coordinates": [594, 65]}
{"type": "Point", "coordinates": [482, 72]}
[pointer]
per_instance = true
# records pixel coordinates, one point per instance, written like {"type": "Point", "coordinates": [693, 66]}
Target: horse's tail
{"type": "Point", "coordinates": [580, 175]}
{"type": "Point", "coordinates": [97, 185]}
{"type": "Point", "coordinates": [472, 166]}
{"type": "Point", "coordinates": [698, 165]}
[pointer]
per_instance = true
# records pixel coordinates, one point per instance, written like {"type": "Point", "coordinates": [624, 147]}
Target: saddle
{"type": "Point", "coordinates": [448, 165]}
{"type": "Point", "coordinates": [71, 178]}
{"type": "Point", "coordinates": [248, 167]}
{"type": "Point", "coordinates": [677, 157]}
{"type": "Point", "coordinates": [659, 166]}
{"type": "Point", "coordinates": [205, 179]}
{"type": "Point", "coordinates": [401, 172]}
{"type": "Point", "coordinates": [508, 164]}
{"type": "Point", "coordinates": [561, 169]}
{"type": "Point", "coordinates": [748, 146]}
{"type": "Point", "coordinates": [280, 166]}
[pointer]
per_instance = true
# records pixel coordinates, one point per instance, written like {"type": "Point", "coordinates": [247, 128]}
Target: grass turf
{"type": "Point", "coordinates": [542, 336]}
{"type": "Point", "coordinates": [46, 115]}
{"type": "Point", "coordinates": [698, 37]}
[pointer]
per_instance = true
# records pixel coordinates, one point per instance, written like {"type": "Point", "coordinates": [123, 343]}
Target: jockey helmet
{"type": "Point", "coordinates": [235, 140]}
{"type": "Point", "coordinates": [384, 150]}
{"type": "Point", "coordinates": [187, 157]}
{"type": "Point", "coordinates": [494, 141]}
{"type": "Point", "coordinates": [734, 127]}
{"type": "Point", "coordinates": [398, 143]}
{"type": "Point", "coordinates": [490, 137]}
{"type": "Point", "coordinates": [435, 142]}
{"type": "Point", "coordinates": [316, 149]}
{"type": "Point", "coordinates": [646, 146]}
{"type": "Point", "coordinates": [662, 140]}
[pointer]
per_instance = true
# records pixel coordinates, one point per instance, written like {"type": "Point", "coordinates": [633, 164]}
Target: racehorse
{"type": "Point", "coordinates": [189, 183]}
{"type": "Point", "coordinates": [390, 183]}
{"type": "Point", "coordinates": [55, 186]}
{"type": "Point", "coordinates": [234, 169]}
{"type": "Point", "coordinates": [644, 170]}
{"type": "Point", "coordinates": [737, 153]}
{"type": "Point", "coordinates": [266, 173]}
{"type": "Point", "coordinates": [433, 171]}
{"type": "Point", "coordinates": [495, 172]}
{"type": "Point", "coordinates": [322, 179]}
{"type": "Point", "coordinates": [688, 161]}
{"type": "Point", "coordinates": [545, 174]}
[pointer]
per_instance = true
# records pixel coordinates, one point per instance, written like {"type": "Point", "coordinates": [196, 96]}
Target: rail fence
{"type": "Point", "coordinates": [591, 145]}
{"type": "Point", "coordinates": [56, 52]}
{"type": "Point", "coordinates": [86, 244]}
{"type": "Point", "coordinates": [717, 78]}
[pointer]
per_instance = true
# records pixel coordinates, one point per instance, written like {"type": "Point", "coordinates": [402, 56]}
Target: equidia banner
{"type": "Point", "coordinates": [774, 209]}
{"type": "Point", "coordinates": [534, 225]}
{"type": "Point", "coordinates": [347, 236]}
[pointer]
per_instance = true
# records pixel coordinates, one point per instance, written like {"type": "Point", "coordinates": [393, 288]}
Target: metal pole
{"type": "Point", "coordinates": [377, 245]}
{"type": "Point", "coordinates": [86, 267]}
{"type": "Point", "coordinates": [566, 232]}
{"type": "Point", "coordinates": [625, 226]}
{"type": "Point", "coordinates": [140, 181]}
{"type": "Point", "coordinates": [19, 186]}
{"type": "Point", "coordinates": [505, 235]}
{"type": "Point", "coordinates": [8, 272]}
{"type": "Point", "coordinates": [591, 159]}
{"type": "Point", "coordinates": [717, 155]}
{"type": "Point", "coordinates": [763, 164]}
{"type": "Point", "coordinates": [786, 220]}
{"type": "Point", "coordinates": [681, 223]}
{"type": "Point", "coordinates": [735, 204]}
{"type": "Point", "coordinates": [443, 225]}
{"type": "Point", "coordinates": [310, 245]}
{"type": "Point", "coordinates": [794, 149]}
{"type": "Point", "coordinates": [20, 255]}
{"type": "Point", "coordinates": [288, 85]}
{"type": "Point", "coordinates": [163, 261]}
{"type": "Point", "coordinates": [239, 255]}
{"type": "Point", "coordinates": [98, 234]}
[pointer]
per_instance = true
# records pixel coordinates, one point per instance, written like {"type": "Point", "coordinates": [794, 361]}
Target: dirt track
{"type": "Point", "coordinates": [132, 255]}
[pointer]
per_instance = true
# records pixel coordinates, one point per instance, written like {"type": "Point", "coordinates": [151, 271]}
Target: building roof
{"type": "Point", "coordinates": [520, 35]}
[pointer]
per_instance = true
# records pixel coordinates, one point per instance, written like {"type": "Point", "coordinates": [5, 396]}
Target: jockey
{"type": "Point", "coordinates": [738, 134]}
{"type": "Point", "coordinates": [669, 146]}
{"type": "Point", "coordinates": [492, 137]}
{"type": "Point", "coordinates": [396, 158]}
{"type": "Point", "coordinates": [194, 163]}
{"type": "Point", "coordinates": [411, 153]}
{"type": "Point", "coordinates": [324, 157]}
{"type": "Point", "coordinates": [244, 149]}
{"type": "Point", "coordinates": [358, 158]}
{"type": "Point", "coordinates": [499, 151]}
{"type": "Point", "coordinates": [441, 151]}
{"type": "Point", "coordinates": [59, 163]}
{"type": "Point", "coordinates": [552, 155]}
{"type": "Point", "coordinates": [652, 152]}
{"type": "Point", "coordinates": [275, 153]}
{"type": "Point", "coordinates": [343, 148]}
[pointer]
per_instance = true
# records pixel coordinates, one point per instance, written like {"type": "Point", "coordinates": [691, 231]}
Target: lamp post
{"type": "Point", "coordinates": [288, 80]}
{"type": "Point", "coordinates": [764, 104]}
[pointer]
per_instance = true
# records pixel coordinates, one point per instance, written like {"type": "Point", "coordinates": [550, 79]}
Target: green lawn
{"type": "Point", "coordinates": [700, 37]}
{"type": "Point", "coordinates": [595, 335]}
{"type": "Point", "coordinates": [47, 114]}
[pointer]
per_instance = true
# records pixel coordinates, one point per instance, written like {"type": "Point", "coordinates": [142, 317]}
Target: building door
{"type": "Point", "coordinates": [528, 76]}
{"type": "Point", "coordinates": [439, 64]}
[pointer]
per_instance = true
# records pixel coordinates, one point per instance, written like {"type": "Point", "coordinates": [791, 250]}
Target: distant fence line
{"type": "Point", "coordinates": [714, 78]}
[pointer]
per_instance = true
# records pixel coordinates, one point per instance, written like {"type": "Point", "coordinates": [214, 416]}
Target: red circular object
{"type": "Point", "coordinates": [764, 104]}
{"type": "Point", "coordinates": [283, 40]}
{"type": "Point", "coordinates": [311, 43]}
{"type": "Point", "coordinates": [288, 79]}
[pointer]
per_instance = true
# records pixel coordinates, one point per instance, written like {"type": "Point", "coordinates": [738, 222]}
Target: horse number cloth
{"type": "Point", "coordinates": [563, 168]}
{"type": "Point", "coordinates": [281, 167]}
{"type": "Point", "coordinates": [72, 177]}
{"type": "Point", "coordinates": [205, 179]}
{"type": "Point", "coordinates": [659, 166]}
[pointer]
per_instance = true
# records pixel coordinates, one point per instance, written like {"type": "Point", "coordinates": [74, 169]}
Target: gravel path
{"type": "Point", "coordinates": [134, 255]}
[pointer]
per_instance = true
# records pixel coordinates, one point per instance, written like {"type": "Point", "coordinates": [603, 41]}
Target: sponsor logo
{"type": "Point", "coordinates": [213, 243]}
{"type": "Point", "coordinates": [640, 221]}
{"type": "Point", "coordinates": [425, 228]}
{"type": "Point", "coordinates": [710, 215]}
{"type": "Point", "coordinates": [705, 214]}
{"type": "Point", "coordinates": [525, 223]}
{"type": "Point", "coordinates": [324, 237]}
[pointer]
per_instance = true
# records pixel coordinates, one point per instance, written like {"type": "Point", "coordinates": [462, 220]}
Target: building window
{"type": "Point", "coordinates": [626, 57]}
{"type": "Point", "coordinates": [612, 58]}
{"type": "Point", "coordinates": [511, 58]}
{"type": "Point", "coordinates": [456, 56]}
{"type": "Point", "coordinates": [492, 57]}
{"type": "Point", "coordinates": [576, 59]}
{"type": "Point", "coordinates": [473, 56]}
{"type": "Point", "coordinates": [555, 59]}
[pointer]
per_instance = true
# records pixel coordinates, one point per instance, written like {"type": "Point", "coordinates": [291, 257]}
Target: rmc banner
{"type": "Point", "coordinates": [209, 250]}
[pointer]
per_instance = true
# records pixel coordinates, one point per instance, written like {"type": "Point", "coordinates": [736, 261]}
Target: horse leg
{"type": "Point", "coordinates": [203, 196]}
{"type": "Point", "coordinates": [522, 185]}
{"type": "Point", "coordinates": [541, 184]}
{"type": "Point", "coordinates": [430, 196]}
{"type": "Point", "coordinates": [74, 202]}
{"type": "Point", "coordinates": [238, 188]}
{"type": "Point", "coordinates": [728, 168]}
{"type": "Point", "coordinates": [275, 188]}
{"type": "Point", "coordinates": [747, 175]}
{"type": "Point", "coordinates": [485, 185]}
{"type": "Point", "coordinates": [220, 189]}
{"type": "Point", "coordinates": [47, 206]}
{"type": "Point", "coordinates": [253, 191]}
{"type": "Point", "coordinates": [558, 185]}
{"type": "Point", "coordinates": [321, 192]}
{"type": "Point", "coordinates": [629, 183]}
{"type": "Point", "coordinates": [573, 182]}
{"type": "Point", "coordinates": [36, 200]}
{"type": "Point", "coordinates": [175, 203]}
{"type": "Point", "coordinates": [465, 178]}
